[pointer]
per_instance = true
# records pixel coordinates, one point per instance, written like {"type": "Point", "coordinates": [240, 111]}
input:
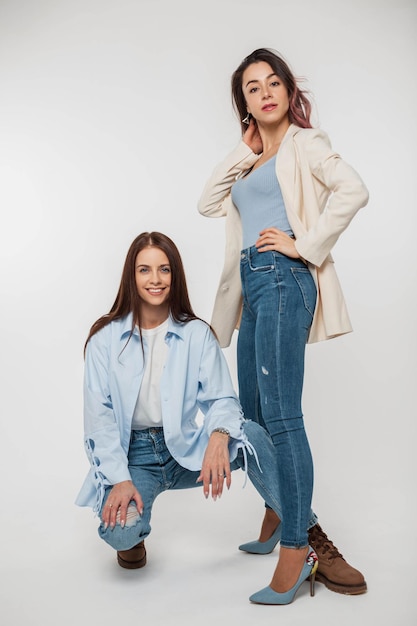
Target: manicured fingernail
{"type": "Point", "coordinates": [122, 523]}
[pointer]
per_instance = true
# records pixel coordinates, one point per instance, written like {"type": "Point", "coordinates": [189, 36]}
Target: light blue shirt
{"type": "Point", "coordinates": [196, 376]}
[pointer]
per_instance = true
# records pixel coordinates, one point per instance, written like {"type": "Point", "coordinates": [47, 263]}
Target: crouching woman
{"type": "Point", "coordinates": [151, 369]}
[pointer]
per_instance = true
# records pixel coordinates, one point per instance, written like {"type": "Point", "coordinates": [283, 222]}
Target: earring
{"type": "Point", "coordinates": [246, 119]}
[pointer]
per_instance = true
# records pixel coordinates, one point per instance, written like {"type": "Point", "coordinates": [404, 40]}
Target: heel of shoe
{"type": "Point", "coordinates": [269, 596]}
{"type": "Point", "coordinates": [313, 578]}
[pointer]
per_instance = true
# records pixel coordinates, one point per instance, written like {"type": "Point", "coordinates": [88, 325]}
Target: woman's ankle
{"type": "Point", "coordinates": [291, 562]}
{"type": "Point", "coordinates": [269, 525]}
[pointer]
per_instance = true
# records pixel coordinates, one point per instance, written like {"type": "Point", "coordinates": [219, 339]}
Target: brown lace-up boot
{"type": "Point", "coordinates": [333, 570]}
{"type": "Point", "coordinates": [133, 558]}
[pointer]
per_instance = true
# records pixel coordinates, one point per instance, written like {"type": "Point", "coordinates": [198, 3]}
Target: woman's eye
{"type": "Point", "coordinates": [166, 269]}
{"type": "Point", "coordinates": [252, 89]}
{"type": "Point", "coordinates": [143, 270]}
{"type": "Point", "coordinates": [275, 83]}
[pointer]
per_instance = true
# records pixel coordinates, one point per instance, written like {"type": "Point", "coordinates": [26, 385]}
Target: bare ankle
{"type": "Point", "coordinates": [287, 571]}
{"type": "Point", "coordinates": [269, 525]}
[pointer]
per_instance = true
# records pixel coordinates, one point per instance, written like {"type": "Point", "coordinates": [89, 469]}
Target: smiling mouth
{"type": "Point", "coordinates": [155, 292]}
{"type": "Point", "coordinates": [269, 107]}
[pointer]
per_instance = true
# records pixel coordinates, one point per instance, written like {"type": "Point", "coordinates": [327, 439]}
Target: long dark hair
{"type": "Point", "coordinates": [128, 300]}
{"type": "Point", "coordinates": [300, 106]}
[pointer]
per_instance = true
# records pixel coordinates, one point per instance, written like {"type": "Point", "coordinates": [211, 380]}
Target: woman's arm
{"type": "Point", "coordinates": [219, 184]}
{"type": "Point", "coordinates": [347, 195]}
{"type": "Point", "coordinates": [102, 433]}
{"type": "Point", "coordinates": [221, 409]}
{"type": "Point", "coordinates": [216, 397]}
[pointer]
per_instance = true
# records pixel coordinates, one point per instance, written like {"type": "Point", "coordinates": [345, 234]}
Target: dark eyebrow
{"type": "Point", "coordinates": [257, 81]}
{"type": "Point", "coordinates": [145, 265]}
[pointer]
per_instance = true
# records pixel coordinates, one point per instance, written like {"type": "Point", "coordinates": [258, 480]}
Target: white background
{"type": "Point", "coordinates": [112, 117]}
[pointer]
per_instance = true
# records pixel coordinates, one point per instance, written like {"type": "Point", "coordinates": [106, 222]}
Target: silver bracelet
{"type": "Point", "coordinates": [222, 431]}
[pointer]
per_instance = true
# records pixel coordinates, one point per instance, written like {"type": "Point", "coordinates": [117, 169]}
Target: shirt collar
{"type": "Point", "coordinates": [174, 328]}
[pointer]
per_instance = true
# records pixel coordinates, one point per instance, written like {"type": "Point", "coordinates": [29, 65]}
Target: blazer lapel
{"type": "Point", "coordinates": [289, 178]}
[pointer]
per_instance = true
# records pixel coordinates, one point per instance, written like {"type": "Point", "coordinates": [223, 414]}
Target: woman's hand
{"type": "Point", "coordinates": [274, 239]}
{"type": "Point", "coordinates": [252, 138]}
{"type": "Point", "coordinates": [216, 466]}
{"type": "Point", "coordinates": [117, 502]}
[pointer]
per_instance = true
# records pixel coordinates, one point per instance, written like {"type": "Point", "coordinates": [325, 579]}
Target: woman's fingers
{"type": "Point", "coordinates": [214, 479]}
{"type": "Point", "coordinates": [217, 482]}
{"type": "Point", "coordinates": [274, 239]}
{"type": "Point", "coordinates": [115, 509]}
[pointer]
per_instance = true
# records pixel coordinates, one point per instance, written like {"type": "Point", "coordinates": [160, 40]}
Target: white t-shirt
{"type": "Point", "coordinates": [148, 405]}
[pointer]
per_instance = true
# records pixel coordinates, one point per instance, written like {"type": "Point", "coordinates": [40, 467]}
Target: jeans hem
{"type": "Point", "coordinates": [294, 546]}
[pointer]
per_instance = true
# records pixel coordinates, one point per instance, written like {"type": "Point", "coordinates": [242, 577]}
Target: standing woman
{"type": "Point", "coordinates": [287, 197]}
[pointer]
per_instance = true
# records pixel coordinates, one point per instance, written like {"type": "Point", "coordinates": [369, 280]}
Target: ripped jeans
{"type": "Point", "coordinates": [153, 470]}
{"type": "Point", "coordinates": [279, 296]}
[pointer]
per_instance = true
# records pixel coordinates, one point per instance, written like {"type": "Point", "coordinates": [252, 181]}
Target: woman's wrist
{"type": "Point", "coordinates": [221, 431]}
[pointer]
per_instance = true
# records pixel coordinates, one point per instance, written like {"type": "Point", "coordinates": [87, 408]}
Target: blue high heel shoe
{"type": "Point", "coordinates": [269, 596]}
{"type": "Point", "coordinates": [262, 547]}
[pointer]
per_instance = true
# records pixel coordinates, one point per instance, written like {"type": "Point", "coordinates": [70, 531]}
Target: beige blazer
{"type": "Point", "coordinates": [321, 192]}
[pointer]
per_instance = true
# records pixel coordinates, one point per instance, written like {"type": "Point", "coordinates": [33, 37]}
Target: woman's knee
{"type": "Point", "coordinates": [256, 433]}
{"type": "Point", "coordinates": [125, 537]}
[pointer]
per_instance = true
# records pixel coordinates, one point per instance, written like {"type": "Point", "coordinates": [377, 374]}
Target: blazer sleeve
{"type": "Point", "coordinates": [217, 188]}
{"type": "Point", "coordinates": [340, 185]}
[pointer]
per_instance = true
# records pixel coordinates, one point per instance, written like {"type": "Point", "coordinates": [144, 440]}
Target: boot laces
{"type": "Point", "coordinates": [321, 543]}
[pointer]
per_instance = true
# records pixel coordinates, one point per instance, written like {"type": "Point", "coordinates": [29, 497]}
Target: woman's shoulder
{"type": "Point", "coordinates": [314, 143]}
{"type": "Point", "coordinates": [307, 135]}
{"type": "Point", "coordinates": [196, 329]}
{"type": "Point", "coordinates": [114, 328]}
{"type": "Point", "coordinates": [196, 325]}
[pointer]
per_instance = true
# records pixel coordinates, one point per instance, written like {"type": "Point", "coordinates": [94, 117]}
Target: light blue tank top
{"type": "Point", "coordinates": [258, 198]}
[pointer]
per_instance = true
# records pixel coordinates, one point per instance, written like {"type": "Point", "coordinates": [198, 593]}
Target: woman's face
{"type": "Point", "coordinates": [153, 277]}
{"type": "Point", "coordinates": [265, 94]}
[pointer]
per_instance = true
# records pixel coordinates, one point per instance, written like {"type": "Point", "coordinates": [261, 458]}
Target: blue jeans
{"type": "Point", "coordinates": [154, 470]}
{"type": "Point", "coordinates": [279, 296]}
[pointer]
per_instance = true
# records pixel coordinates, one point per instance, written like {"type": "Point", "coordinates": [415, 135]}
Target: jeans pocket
{"type": "Point", "coordinates": [262, 262]}
{"type": "Point", "coordinates": [307, 286]}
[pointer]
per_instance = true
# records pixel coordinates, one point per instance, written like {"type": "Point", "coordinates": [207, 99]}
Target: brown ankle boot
{"type": "Point", "coordinates": [333, 570]}
{"type": "Point", "coordinates": [133, 558]}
